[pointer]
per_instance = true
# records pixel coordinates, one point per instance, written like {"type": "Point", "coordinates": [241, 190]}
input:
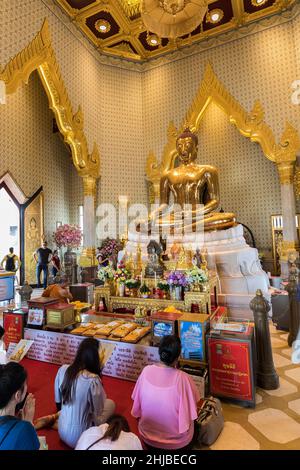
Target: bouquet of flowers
{"type": "Point", "coordinates": [106, 272]}
{"type": "Point", "coordinates": [121, 274]}
{"type": "Point", "coordinates": [196, 276]}
{"type": "Point", "coordinates": [109, 247]}
{"type": "Point", "coordinates": [67, 235]}
{"type": "Point", "coordinates": [177, 279]}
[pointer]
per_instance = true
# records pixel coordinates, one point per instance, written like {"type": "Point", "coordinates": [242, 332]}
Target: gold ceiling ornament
{"type": "Point", "coordinates": [173, 18]}
{"type": "Point", "coordinates": [103, 26]}
{"type": "Point", "coordinates": [153, 40]}
{"type": "Point", "coordinates": [250, 125]}
{"type": "Point", "coordinates": [258, 3]}
{"type": "Point", "coordinates": [39, 55]}
{"type": "Point", "coordinates": [214, 16]}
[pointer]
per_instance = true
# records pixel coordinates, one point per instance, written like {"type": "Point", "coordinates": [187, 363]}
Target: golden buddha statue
{"type": "Point", "coordinates": [191, 184]}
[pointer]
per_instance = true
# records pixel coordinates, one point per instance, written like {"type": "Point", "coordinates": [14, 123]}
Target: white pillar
{"type": "Point", "coordinates": [288, 207]}
{"type": "Point", "coordinates": [87, 258]}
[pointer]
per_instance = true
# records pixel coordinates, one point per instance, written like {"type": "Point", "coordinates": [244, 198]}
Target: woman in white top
{"type": "Point", "coordinates": [79, 394]}
{"type": "Point", "coordinates": [114, 435]}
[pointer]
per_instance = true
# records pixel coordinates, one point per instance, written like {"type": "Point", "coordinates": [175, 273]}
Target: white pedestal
{"type": "Point", "coordinates": [237, 264]}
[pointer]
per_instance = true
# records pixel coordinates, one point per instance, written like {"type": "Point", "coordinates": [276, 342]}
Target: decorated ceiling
{"type": "Point", "coordinates": [115, 27]}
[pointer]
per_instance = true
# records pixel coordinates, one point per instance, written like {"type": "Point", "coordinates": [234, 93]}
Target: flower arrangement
{"type": "Point", "coordinates": [132, 283]}
{"type": "Point", "coordinates": [105, 273]}
{"type": "Point", "coordinates": [177, 279]}
{"type": "Point", "coordinates": [67, 235]}
{"type": "Point", "coordinates": [145, 291]}
{"type": "Point", "coordinates": [196, 276]}
{"type": "Point", "coordinates": [109, 247]}
{"type": "Point", "coordinates": [122, 274]}
{"type": "Point", "coordinates": [164, 286]}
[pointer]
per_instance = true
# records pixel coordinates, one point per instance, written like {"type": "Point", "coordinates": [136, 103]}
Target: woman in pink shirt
{"type": "Point", "coordinates": [165, 400]}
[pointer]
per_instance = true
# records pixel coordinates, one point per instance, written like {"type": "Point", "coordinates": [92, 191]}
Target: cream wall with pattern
{"type": "Point", "coordinates": [260, 66]}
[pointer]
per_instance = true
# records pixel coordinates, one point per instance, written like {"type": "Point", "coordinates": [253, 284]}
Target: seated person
{"type": "Point", "coordinates": [165, 401]}
{"type": "Point", "coordinates": [59, 291]}
{"type": "Point", "coordinates": [16, 433]}
{"type": "Point", "coordinates": [113, 435]}
{"type": "Point", "coordinates": [79, 395]}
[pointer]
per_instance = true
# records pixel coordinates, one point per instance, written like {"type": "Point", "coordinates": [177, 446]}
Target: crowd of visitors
{"type": "Point", "coordinates": [164, 403]}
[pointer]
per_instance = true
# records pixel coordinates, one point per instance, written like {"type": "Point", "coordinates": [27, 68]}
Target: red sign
{"type": "Point", "coordinates": [13, 326]}
{"type": "Point", "coordinates": [231, 373]}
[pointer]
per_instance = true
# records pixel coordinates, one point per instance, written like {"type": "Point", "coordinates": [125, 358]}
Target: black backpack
{"type": "Point", "coordinates": [10, 263]}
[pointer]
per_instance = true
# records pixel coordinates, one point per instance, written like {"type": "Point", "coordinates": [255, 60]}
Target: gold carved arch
{"type": "Point", "coordinates": [39, 55]}
{"type": "Point", "coordinates": [250, 125]}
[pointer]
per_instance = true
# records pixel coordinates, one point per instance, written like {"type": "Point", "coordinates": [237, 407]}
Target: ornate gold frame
{"type": "Point", "coordinates": [39, 55]}
{"type": "Point", "coordinates": [250, 125]}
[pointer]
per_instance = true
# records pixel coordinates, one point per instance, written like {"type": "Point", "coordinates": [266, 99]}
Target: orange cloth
{"type": "Point", "coordinates": [56, 291]}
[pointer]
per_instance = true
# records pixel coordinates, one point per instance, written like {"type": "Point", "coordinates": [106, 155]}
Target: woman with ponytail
{"type": "Point", "coordinates": [114, 435]}
{"type": "Point", "coordinates": [165, 401]}
{"type": "Point", "coordinates": [16, 433]}
{"type": "Point", "coordinates": [80, 395]}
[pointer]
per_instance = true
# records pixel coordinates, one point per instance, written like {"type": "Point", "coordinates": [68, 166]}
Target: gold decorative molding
{"type": "Point", "coordinates": [250, 125]}
{"type": "Point", "coordinates": [39, 55]}
{"type": "Point", "coordinates": [286, 172]}
{"type": "Point", "coordinates": [89, 186]}
{"type": "Point", "coordinates": [297, 182]}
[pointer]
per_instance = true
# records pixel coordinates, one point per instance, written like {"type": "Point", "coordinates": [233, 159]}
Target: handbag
{"type": "Point", "coordinates": [210, 421]}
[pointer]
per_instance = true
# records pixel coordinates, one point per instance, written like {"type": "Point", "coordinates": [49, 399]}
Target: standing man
{"type": "Point", "coordinates": [42, 257]}
{"type": "Point", "coordinates": [12, 261]}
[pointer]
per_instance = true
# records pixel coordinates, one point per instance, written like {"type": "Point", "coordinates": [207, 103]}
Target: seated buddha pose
{"type": "Point", "coordinates": [191, 184]}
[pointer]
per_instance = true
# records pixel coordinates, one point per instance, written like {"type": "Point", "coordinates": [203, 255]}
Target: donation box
{"type": "Point", "coordinates": [83, 292]}
{"type": "Point", "coordinates": [14, 322]}
{"type": "Point", "coordinates": [231, 365]}
{"type": "Point", "coordinates": [37, 311]}
{"type": "Point", "coordinates": [60, 316]}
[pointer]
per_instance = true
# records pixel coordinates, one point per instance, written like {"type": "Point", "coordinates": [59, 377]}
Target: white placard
{"type": "Point", "coordinates": [19, 350]}
{"type": "Point", "coordinates": [124, 360]}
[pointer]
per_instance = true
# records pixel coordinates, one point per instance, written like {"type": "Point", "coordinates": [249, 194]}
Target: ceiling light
{"type": "Point", "coordinates": [214, 16]}
{"type": "Point", "coordinates": [103, 26]}
{"type": "Point", "coordinates": [258, 3]}
{"type": "Point", "coordinates": [153, 40]}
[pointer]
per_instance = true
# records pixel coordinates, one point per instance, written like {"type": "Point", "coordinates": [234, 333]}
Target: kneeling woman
{"type": "Point", "coordinates": [79, 394]}
{"type": "Point", "coordinates": [165, 401]}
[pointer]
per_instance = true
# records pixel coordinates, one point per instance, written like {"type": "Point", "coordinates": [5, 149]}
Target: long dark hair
{"type": "Point", "coordinates": [12, 378]}
{"type": "Point", "coordinates": [116, 424]}
{"type": "Point", "coordinates": [87, 357]}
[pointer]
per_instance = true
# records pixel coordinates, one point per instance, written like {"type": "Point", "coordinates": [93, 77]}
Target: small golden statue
{"type": "Point", "coordinates": [139, 263]}
{"type": "Point", "coordinates": [184, 262]}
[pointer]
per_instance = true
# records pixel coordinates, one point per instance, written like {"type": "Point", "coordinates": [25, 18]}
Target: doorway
{"type": "Point", "coordinates": [10, 223]}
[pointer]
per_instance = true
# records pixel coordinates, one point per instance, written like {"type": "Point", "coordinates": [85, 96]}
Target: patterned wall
{"type": "Point", "coordinates": [33, 154]}
{"type": "Point", "coordinates": [260, 66]}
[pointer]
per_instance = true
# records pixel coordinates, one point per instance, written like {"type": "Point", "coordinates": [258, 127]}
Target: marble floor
{"type": "Point", "coordinates": [275, 421]}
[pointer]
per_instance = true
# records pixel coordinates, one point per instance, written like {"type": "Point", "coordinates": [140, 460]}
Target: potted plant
{"type": "Point", "coordinates": [177, 280]}
{"type": "Point", "coordinates": [196, 277]}
{"type": "Point", "coordinates": [106, 274]}
{"type": "Point", "coordinates": [164, 288]}
{"type": "Point", "coordinates": [145, 291]}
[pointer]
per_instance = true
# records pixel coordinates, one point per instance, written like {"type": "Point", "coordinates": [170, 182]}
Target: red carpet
{"type": "Point", "coordinates": [41, 377]}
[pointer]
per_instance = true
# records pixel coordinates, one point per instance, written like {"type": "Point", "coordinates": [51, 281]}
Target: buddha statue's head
{"type": "Point", "coordinates": [187, 146]}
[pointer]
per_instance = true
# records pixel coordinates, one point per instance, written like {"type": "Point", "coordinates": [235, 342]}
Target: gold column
{"type": "Point", "coordinates": [290, 243]}
{"type": "Point", "coordinates": [88, 258]}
